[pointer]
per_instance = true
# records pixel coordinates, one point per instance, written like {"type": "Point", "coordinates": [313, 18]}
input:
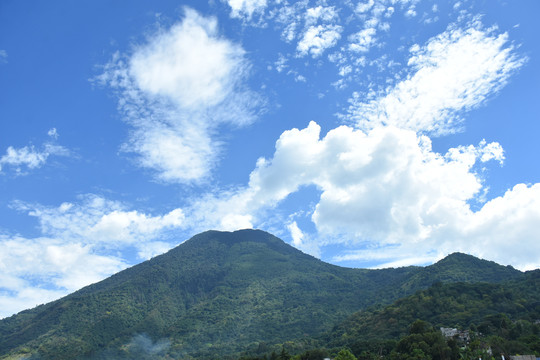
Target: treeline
{"type": "Point", "coordinates": [425, 342]}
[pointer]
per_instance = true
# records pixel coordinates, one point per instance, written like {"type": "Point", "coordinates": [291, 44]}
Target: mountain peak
{"type": "Point", "coordinates": [464, 267]}
{"type": "Point", "coordinates": [470, 260]}
{"type": "Point", "coordinates": [235, 236]}
{"type": "Point", "coordinates": [253, 240]}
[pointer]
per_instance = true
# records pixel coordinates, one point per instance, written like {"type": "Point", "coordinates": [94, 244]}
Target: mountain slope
{"type": "Point", "coordinates": [509, 311]}
{"type": "Point", "coordinates": [217, 294]}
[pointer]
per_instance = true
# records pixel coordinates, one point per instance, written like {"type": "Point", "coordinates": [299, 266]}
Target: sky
{"type": "Point", "coordinates": [370, 134]}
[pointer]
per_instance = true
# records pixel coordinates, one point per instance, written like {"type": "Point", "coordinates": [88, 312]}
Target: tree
{"type": "Point", "coordinates": [315, 354]}
{"type": "Point", "coordinates": [284, 355]}
{"type": "Point", "coordinates": [423, 342]}
{"type": "Point", "coordinates": [345, 355]}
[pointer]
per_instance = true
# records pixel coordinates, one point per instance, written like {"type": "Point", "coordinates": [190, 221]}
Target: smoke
{"type": "Point", "coordinates": [141, 347]}
{"type": "Point", "coordinates": [142, 344]}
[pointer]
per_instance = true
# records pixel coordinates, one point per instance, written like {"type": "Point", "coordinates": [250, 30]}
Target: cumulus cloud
{"type": "Point", "coordinates": [348, 165]}
{"type": "Point", "coordinates": [174, 90]}
{"type": "Point", "coordinates": [20, 160]}
{"type": "Point", "coordinates": [453, 72]}
{"type": "Point", "coordinates": [503, 230]}
{"type": "Point", "coordinates": [386, 191]}
{"type": "Point", "coordinates": [383, 191]}
{"type": "Point", "coordinates": [374, 186]}
{"type": "Point", "coordinates": [506, 228]}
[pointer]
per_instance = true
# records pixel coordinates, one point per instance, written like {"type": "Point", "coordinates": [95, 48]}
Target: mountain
{"type": "Point", "coordinates": [505, 315]}
{"type": "Point", "coordinates": [459, 267]}
{"type": "Point", "coordinates": [218, 294]}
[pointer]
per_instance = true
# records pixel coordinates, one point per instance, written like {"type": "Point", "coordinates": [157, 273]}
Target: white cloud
{"type": "Point", "coordinates": [3, 56]}
{"type": "Point", "coordinates": [36, 271]}
{"type": "Point", "coordinates": [320, 31]}
{"type": "Point", "coordinates": [352, 169]}
{"type": "Point", "coordinates": [320, 13]}
{"type": "Point", "coordinates": [16, 299]}
{"type": "Point", "coordinates": [484, 152]}
{"type": "Point", "coordinates": [377, 186]}
{"type": "Point", "coordinates": [316, 28]}
{"type": "Point", "coordinates": [189, 63]}
{"type": "Point", "coordinates": [223, 210]}
{"type": "Point", "coordinates": [302, 241]}
{"type": "Point", "coordinates": [383, 190]}
{"type": "Point", "coordinates": [363, 7]}
{"type": "Point", "coordinates": [503, 230]}
{"type": "Point", "coordinates": [53, 133]}
{"type": "Point", "coordinates": [506, 228]}
{"type": "Point", "coordinates": [291, 17]}
{"type": "Point", "coordinates": [245, 9]}
{"type": "Point", "coordinates": [410, 13]}
{"type": "Point", "coordinates": [28, 157]}
{"type": "Point", "coordinates": [316, 39]}
{"type": "Point", "coordinates": [98, 221]}
{"type": "Point", "coordinates": [281, 63]}
{"type": "Point", "coordinates": [454, 72]}
{"type": "Point", "coordinates": [181, 152]}
{"type": "Point", "coordinates": [362, 40]}
{"type": "Point", "coordinates": [175, 90]}
{"type": "Point", "coordinates": [387, 191]}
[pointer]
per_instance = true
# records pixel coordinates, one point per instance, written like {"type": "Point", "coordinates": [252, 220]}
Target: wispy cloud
{"type": "Point", "coordinates": [453, 72]}
{"type": "Point", "coordinates": [174, 91]}
{"type": "Point", "coordinates": [95, 220]}
{"type": "Point", "coordinates": [21, 160]}
{"type": "Point", "coordinates": [3, 56]}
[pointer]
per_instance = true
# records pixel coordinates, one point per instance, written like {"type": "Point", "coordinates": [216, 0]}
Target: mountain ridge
{"type": "Point", "coordinates": [220, 292]}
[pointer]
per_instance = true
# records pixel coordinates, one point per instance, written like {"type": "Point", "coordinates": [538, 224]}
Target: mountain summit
{"type": "Point", "coordinates": [220, 293]}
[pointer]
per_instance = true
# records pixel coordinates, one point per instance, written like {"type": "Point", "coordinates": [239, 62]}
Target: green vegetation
{"type": "Point", "coordinates": [502, 317]}
{"type": "Point", "coordinates": [247, 293]}
{"type": "Point", "coordinates": [490, 320]}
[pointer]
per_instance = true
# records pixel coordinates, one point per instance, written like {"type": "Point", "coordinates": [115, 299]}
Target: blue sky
{"type": "Point", "coordinates": [369, 134]}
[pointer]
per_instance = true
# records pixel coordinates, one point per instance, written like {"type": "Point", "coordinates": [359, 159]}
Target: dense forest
{"type": "Point", "coordinates": [249, 295]}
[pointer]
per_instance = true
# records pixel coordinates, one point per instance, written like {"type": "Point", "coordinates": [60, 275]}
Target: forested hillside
{"type": "Point", "coordinates": [487, 320]}
{"type": "Point", "coordinates": [219, 295]}
{"type": "Point", "coordinates": [506, 316]}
